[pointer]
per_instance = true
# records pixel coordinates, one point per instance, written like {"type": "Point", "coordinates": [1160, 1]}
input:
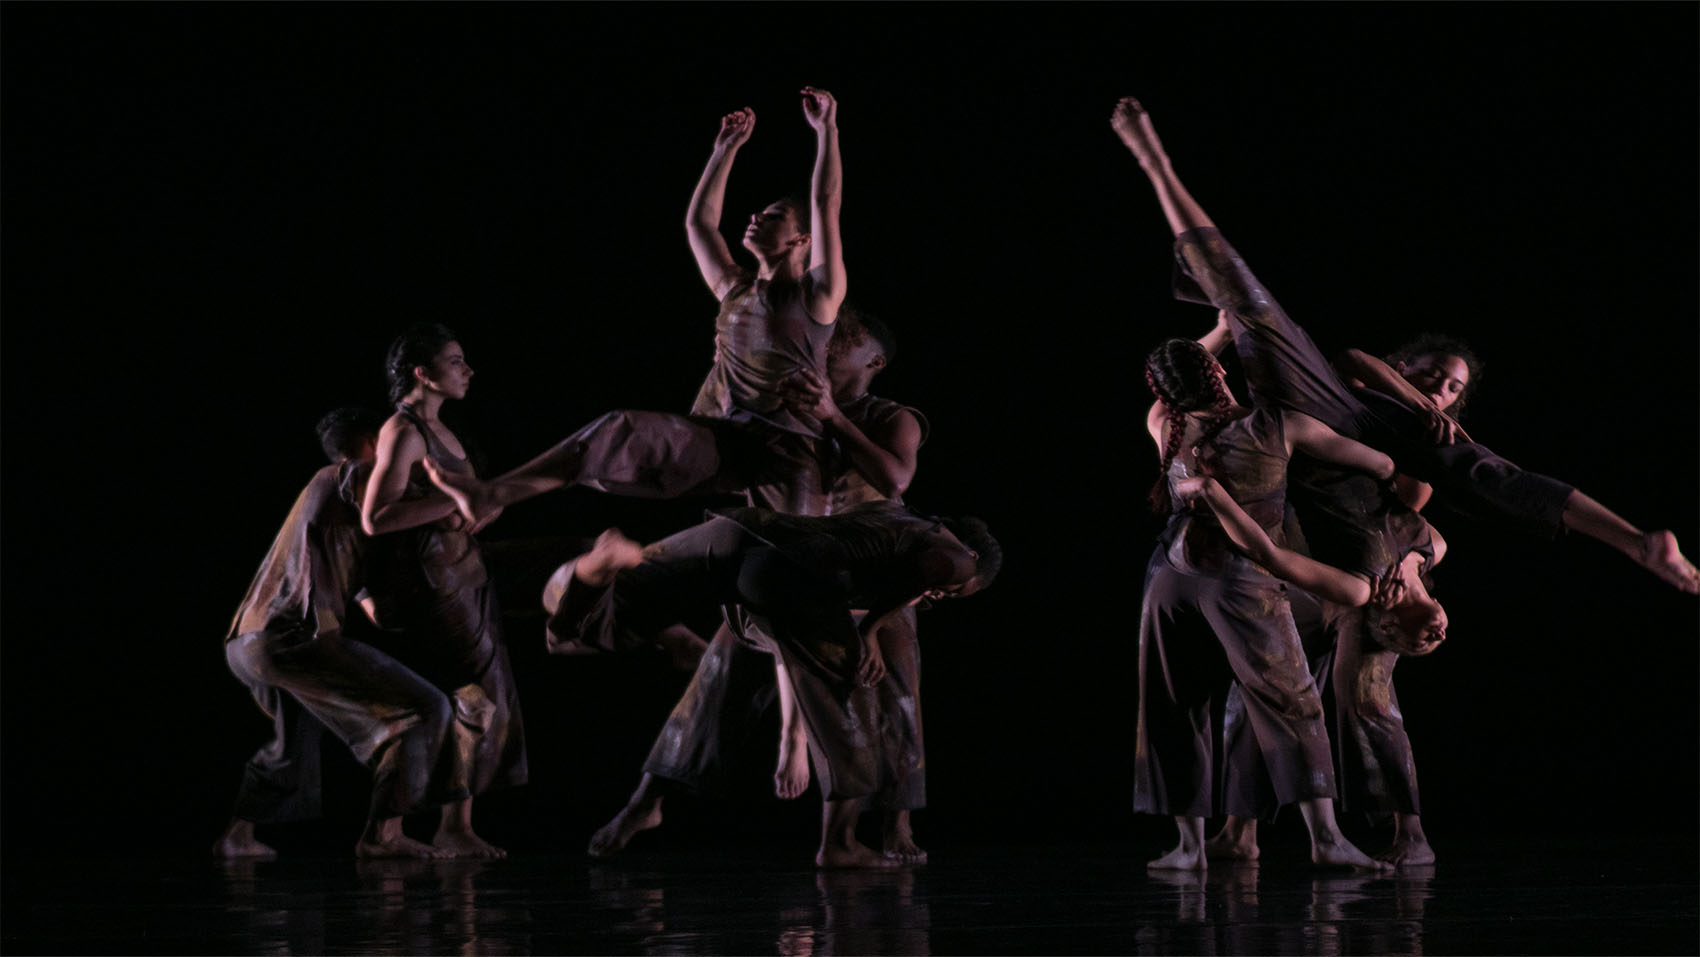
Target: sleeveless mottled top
{"type": "Point", "coordinates": [1249, 458]}
{"type": "Point", "coordinates": [849, 486]}
{"type": "Point", "coordinates": [309, 576]}
{"type": "Point", "coordinates": [763, 335]}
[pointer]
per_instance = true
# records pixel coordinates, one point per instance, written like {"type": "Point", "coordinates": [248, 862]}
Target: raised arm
{"type": "Point", "coordinates": [1324, 581]}
{"type": "Point", "coordinates": [702, 218]}
{"type": "Point", "coordinates": [1317, 440]}
{"type": "Point", "coordinates": [826, 194]}
{"type": "Point", "coordinates": [400, 447]}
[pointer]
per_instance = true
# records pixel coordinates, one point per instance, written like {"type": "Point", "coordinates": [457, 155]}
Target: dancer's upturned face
{"type": "Point", "coordinates": [1441, 377]}
{"type": "Point", "coordinates": [449, 373]}
{"type": "Point", "coordinates": [773, 231]}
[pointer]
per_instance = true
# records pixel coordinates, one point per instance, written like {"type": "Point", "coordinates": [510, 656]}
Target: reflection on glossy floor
{"type": "Point", "coordinates": [1611, 896]}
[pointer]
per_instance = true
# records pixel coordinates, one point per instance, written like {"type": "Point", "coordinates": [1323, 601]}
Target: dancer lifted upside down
{"type": "Point", "coordinates": [288, 644]}
{"type": "Point", "coordinates": [429, 580]}
{"type": "Point", "coordinates": [1405, 423]}
{"type": "Point", "coordinates": [788, 584]}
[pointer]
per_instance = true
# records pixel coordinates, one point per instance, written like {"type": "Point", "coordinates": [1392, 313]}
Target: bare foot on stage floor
{"type": "Point", "coordinates": [855, 855]}
{"type": "Point", "coordinates": [1406, 852]}
{"type": "Point", "coordinates": [1182, 858]}
{"type": "Point", "coordinates": [239, 842]}
{"type": "Point", "coordinates": [471, 496]}
{"type": "Point", "coordinates": [1236, 841]}
{"type": "Point", "coordinates": [616, 834]}
{"type": "Point", "coordinates": [395, 847]}
{"type": "Point", "coordinates": [1346, 855]}
{"type": "Point", "coordinates": [791, 778]}
{"type": "Point", "coordinates": [900, 841]}
{"type": "Point", "coordinates": [465, 844]}
{"type": "Point", "coordinates": [1661, 556]}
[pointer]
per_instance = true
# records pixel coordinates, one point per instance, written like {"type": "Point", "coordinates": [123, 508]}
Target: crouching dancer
{"type": "Point", "coordinates": [287, 644]}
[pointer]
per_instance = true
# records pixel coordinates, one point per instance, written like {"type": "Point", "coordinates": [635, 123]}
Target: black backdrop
{"type": "Point", "coordinates": [217, 216]}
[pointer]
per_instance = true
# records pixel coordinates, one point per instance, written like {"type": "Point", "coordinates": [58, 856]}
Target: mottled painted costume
{"type": "Point", "coordinates": [287, 643]}
{"type": "Point", "coordinates": [716, 716]}
{"type": "Point", "coordinates": [788, 584]}
{"type": "Point", "coordinates": [1351, 521]}
{"type": "Point", "coordinates": [432, 588]}
{"type": "Point", "coordinates": [1211, 616]}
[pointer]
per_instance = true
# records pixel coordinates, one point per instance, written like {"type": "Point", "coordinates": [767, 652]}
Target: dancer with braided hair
{"type": "Point", "coordinates": [1349, 521]}
{"type": "Point", "coordinates": [1198, 585]}
{"type": "Point", "coordinates": [1394, 413]}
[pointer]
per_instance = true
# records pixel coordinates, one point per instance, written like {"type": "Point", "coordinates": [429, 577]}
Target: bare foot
{"type": "Point", "coordinates": [1661, 556]}
{"type": "Point", "coordinates": [1133, 125]}
{"type": "Point", "coordinates": [395, 847]}
{"type": "Point", "coordinates": [854, 854]}
{"type": "Point", "coordinates": [470, 496]}
{"type": "Point", "coordinates": [465, 844]}
{"type": "Point", "coordinates": [1182, 858]}
{"type": "Point", "coordinates": [616, 834]}
{"type": "Point", "coordinates": [1407, 852]}
{"type": "Point", "coordinates": [1232, 844]}
{"type": "Point", "coordinates": [792, 776]}
{"type": "Point", "coordinates": [238, 842]}
{"type": "Point", "coordinates": [1344, 854]}
{"type": "Point", "coordinates": [612, 552]}
{"type": "Point", "coordinates": [899, 841]}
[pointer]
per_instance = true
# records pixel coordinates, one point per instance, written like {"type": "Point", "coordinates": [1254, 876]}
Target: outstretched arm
{"type": "Point", "coordinates": [1321, 442]}
{"type": "Point", "coordinates": [826, 194]}
{"type": "Point", "coordinates": [1383, 378]}
{"type": "Point", "coordinates": [1324, 581]}
{"type": "Point", "coordinates": [702, 218]}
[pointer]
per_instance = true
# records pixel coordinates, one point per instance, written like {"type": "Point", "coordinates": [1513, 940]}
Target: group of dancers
{"type": "Point", "coordinates": [374, 617]}
{"type": "Point", "coordinates": [818, 578]}
{"type": "Point", "coordinates": [1296, 554]}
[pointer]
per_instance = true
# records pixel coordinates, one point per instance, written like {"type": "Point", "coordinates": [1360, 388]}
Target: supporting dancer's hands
{"type": "Point", "coordinates": [806, 393]}
{"type": "Point", "coordinates": [872, 670]}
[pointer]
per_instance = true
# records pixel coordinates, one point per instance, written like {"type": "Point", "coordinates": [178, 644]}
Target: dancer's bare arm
{"type": "Point", "coordinates": [826, 195]}
{"type": "Point", "coordinates": [885, 453]}
{"type": "Point", "coordinates": [1319, 579]}
{"type": "Point", "coordinates": [1321, 442]}
{"type": "Point", "coordinates": [1220, 336]}
{"type": "Point", "coordinates": [1383, 378]}
{"type": "Point", "coordinates": [702, 217]}
{"type": "Point", "coordinates": [400, 448]}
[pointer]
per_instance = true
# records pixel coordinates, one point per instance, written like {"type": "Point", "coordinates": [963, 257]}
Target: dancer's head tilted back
{"type": "Point", "coordinates": [427, 357]}
{"type": "Point", "coordinates": [350, 432]}
{"type": "Point", "coordinates": [780, 232]}
{"type": "Point", "coordinates": [1186, 378]}
{"type": "Point", "coordinates": [988, 554]}
{"type": "Point", "coordinates": [1443, 368]}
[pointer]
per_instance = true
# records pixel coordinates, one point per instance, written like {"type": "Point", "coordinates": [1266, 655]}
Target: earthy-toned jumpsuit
{"type": "Point", "coordinates": [1351, 522]}
{"type": "Point", "coordinates": [432, 588]}
{"type": "Point", "coordinates": [287, 643]}
{"type": "Point", "coordinates": [1211, 616]}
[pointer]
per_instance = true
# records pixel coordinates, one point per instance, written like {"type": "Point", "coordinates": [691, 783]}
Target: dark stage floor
{"type": "Point", "coordinates": [1629, 896]}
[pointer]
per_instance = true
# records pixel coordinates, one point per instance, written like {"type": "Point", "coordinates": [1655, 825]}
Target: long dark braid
{"type": "Point", "coordinates": [1182, 375]}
